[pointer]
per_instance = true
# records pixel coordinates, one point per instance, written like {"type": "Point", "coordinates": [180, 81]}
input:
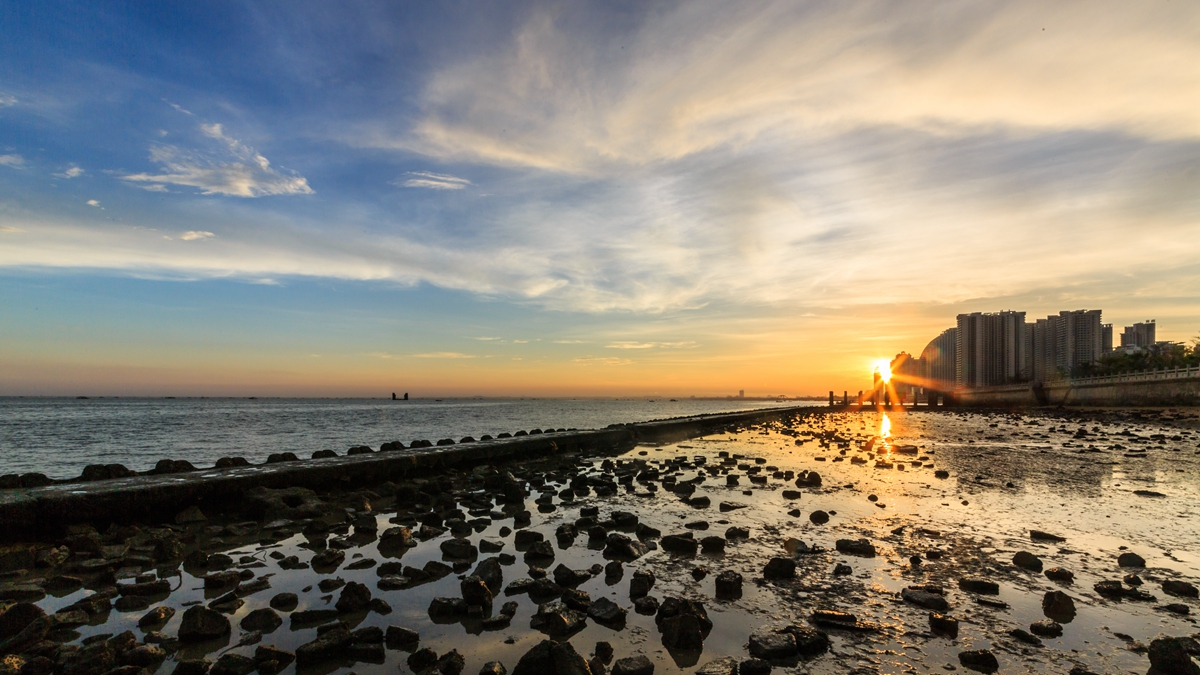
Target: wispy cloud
{"type": "Point", "coordinates": [488, 339]}
{"type": "Point", "coordinates": [72, 172]}
{"type": "Point", "coordinates": [235, 169]}
{"type": "Point", "coordinates": [93, 202]}
{"type": "Point", "coordinates": [444, 355]}
{"type": "Point", "coordinates": [10, 230]}
{"type": "Point", "coordinates": [568, 342]}
{"type": "Point", "coordinates": [624, 344]}
{"type": "Point", "coordinates": [601, 361]}
{"type": "Point", "coordinates": [432, 181]}
{"type": "Point", "coordinates": [193, 235]}
{"type": "Point", "coordinates": [14, 161]}
{"type": "Point", "coordinates": [7, 101]}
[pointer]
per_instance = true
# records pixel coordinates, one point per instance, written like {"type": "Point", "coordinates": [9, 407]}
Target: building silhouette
{"type": "Point", "coordinates": [1141, 335]}
{"type": "Point", "coordinates": [990, 349]}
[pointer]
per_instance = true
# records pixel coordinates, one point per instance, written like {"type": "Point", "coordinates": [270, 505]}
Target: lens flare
{"type": "Point", "coordinates": [884, 368]}
{"type": "Point", "coordinates": [885, 427]}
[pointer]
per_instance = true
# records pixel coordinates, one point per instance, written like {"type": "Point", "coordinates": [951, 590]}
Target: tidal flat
{"type": "Point", "coordinates": [904, 541]}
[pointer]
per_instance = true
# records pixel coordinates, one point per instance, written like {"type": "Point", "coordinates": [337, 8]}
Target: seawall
{"type": "Point", "coordinates": [1162, 389]}
{"type": "Point", "coordinates": [46, 511]}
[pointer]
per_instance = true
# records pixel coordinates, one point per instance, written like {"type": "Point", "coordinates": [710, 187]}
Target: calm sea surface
{"type": "Point", "coordinates": [60, 436]}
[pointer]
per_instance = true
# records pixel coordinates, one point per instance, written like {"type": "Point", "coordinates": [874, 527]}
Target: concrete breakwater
{"type": "Point", "coordinates": [45, 510]}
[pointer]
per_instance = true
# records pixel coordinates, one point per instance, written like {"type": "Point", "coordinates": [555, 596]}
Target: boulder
{"type": "Point", "coordinates": [331, 644]}
{"type": "Point", "coordinates": [1169, 656]}
{"type": "Point", "coordinates": [1131, 559]}
{"type": "Point", "coordinates": [684, 624]}
{"type": "Point", "coordinates": [355, 597]}
{"type": "Point", "coordinates": [263, 620]}
{"type": "Point", "coordinates": [923, 598]}
{"type": "Point", "coordinates": [633, 665]}
{"type": "Point", "coordinates": [606, 611]}
{"type": "Point", "coordinates": [981, 660]}
{"type": "Point", "coordinates": [779, 568]}
{"type": "Point", "coordinates": [552, 658]}
{"type": "Point", "coordinates": [729, 585]}
{"type": "Point", "coordinates": [772, 645]}
{"type": "Point", "coordinates": [1028, 561]}
{"type": "Point", "coordinates": [982, 586]}
{"type": "Point", "coordinates": [641, 583]}
{"type": "Point", "coordinates": [859, 547]}
{"type": "Point", "coordinates": [201, 623]}
{"type": "Point", "coordinates": [1058, 606]}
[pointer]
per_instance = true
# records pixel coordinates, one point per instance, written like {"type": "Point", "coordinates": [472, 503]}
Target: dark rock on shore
{"type": "Point", "coordinates": [982, 660]}
{"type": "Point", "coordinates": [201, 623]}
{"type": "Point", "coordinates": [684, 624]}
{"type": "Point", "coordinates": [859, 547]}
{"type": "Point", "coordinates": [982, 586]}
{"type": "Point", "coordinates": [1130, 559]}
{"type": "Point", "coordinates": [552, 658]}
{"type": "Point", "coordinates": [779, 568]}
{"type": "Point", "coordinates": [633, 665]}
{"type": "Point", "coordinates": [772, 645]}
{"type": "Point", "coordinates": [1058, 606]}
{"type": "Point", "coordinates": [1028, 561]}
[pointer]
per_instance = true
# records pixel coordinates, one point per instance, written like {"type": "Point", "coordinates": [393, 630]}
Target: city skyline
{"type": "Point", "coordinates": [542, 199]}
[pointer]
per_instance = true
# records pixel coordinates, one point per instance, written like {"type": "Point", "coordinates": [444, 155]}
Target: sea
{"type": "Point", "coordinates": [60, 436]}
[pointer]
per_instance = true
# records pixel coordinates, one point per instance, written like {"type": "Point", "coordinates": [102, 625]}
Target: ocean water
{"type": "Point", "coordinates": [60, 436]}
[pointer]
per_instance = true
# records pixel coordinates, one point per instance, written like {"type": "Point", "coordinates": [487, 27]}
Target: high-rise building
{"type": "Point", "coordinates": [939, 360]}
{"type": "Point", "coordinates": [1108, 335]}
{"type": "Point", "coordinates": [1139, 335]}
{"type": "Point", "coordinates": [1059, 344]}
{"type": "Point", "coordinates": [990, 349]}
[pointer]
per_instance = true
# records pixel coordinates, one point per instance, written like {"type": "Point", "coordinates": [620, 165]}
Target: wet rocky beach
{"type": "Point", "coordinates": [906, 541]}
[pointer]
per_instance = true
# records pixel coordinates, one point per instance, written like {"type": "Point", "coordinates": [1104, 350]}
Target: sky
{"type": "Point", "coordinates": [577, 199]}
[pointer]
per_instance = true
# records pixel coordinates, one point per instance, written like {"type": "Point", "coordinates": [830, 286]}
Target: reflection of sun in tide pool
{"type": "Point", "coordinates": [885, 428]}
{"type": "Point", "coordinates": [884, 367]}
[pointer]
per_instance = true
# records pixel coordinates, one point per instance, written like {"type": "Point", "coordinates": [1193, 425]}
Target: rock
{"type": "Point", "coordinates": [729, 585]}
{"type": "Point", "coordinates": [809, 640]}
{"type": "Point", "coordinates": [754, 667]}
{"type": "Point", "coordinates": [859, 547]}
{"type": "Point", "coordinates": [18, 617]}
{"type": "Point", "coordinates": [604, 651]}
{"type": "Point", "coordinates": [641, 583]}
{"type": "Point", "coordinates": [233, 664]}
{"type": "Point", "coordinates": [818, 517]}
{"type": "Point", "coordinates": [1028, 561]}
{"type": "Point", "coordinates": [684, 544]}
{"type": "Point", "coordinates": [328, 560]}
{"type": "Point", "coordinates": [647, 605]}
{"type": "Point", "coordinates": [772, 645]}
{"type": "Point", "coordinates": [552, 658]}
{"type": "Point", "coordinates": [981, 586]}
{"type": "Point", "coordinates": [619, 547]}
{"type": "Point", "coordinates": [737, 533]}
{"type": "Point", "coordinates": [493, 668]}
{"type": "Point", "coordinates": [982, 660]}
{"type": "Point", "coordinates": [285, 602]}
{"type": "Point", "coordinates": [606, 611]}
{"type": "Point", "coordinates": [331, 644]}
{"type": "Point", "coordinates": [1180, 589]}
{"type": "Point", "coordinates": [355, 597]}
{"type": "Point", "coordinates": [191, 667]}
{"type": "Point", "coordinates": [447, 607]}
{"type": "Point", "coordinates": [1025, 636]}
{"type": "Point", "coordinates": [1038, 535]}
{"type": "Point", "coordinates": [923, 598]}
{"type": "Point", "coordinates": [263, 620]}
{"type": "Point", "coordinates": [491, 572]}
{"type": "Point", "coordinates": [539, 551]}
{"type": "Point", "coordinates": [461, 549]}
{"type": "Point", "coordinates": [398, 637]}
{"type": "Point", "coordinates": [1059, 574]}
{"type": "Point", "coordinates": [943, 625]}
{"type": "Point", "coordinates": [144, 656]}
{"type": "Point", "coordinates": [451, 663]}
{"type": "Point", "coordinates": [271, 660]}
{"type": "Point", "coordinates": [201, 623]}
{"type": "Point", "coordinates": [525, 538]}
{"type": "Point", "coordinates": [422, 659]}
{"type": "Point", "coordinates": [156, 617]}
{"type": "Point", "coordinates": [1169, 656]}
{"type": "Point", "coordinates": [684, 624]}
{"type": "Point", "coordinates": [157, 587]}
{"type": "Point", "coordinates": [779, 568]}
{"type": "Point", "coordinates": [1131, 559]}
{"type": "Point", "coordinates": [1046, 628]}
{"type": "Point", "coordinates": [726, 665]}
{"type": "Point", "coordinates": [556, 618]}
{"type": "Point", "coordinates": [567, 577]}
{"type": "Point", "coordinates": [633, 665]}
{"type": "Point", "coordinates": [475, 591]}
{"type": "Point", "coordinates": [1058, 606]}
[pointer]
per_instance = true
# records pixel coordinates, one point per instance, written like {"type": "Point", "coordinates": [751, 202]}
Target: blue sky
{"type": "Point", "coordinates": [309, 198]}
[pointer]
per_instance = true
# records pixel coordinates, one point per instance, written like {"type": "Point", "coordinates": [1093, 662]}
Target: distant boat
{"type": "Point", "coordinates": [81, 398]}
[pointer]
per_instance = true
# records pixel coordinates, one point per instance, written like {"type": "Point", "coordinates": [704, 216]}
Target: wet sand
{"type": "Point", "coordinates": [1008, 474]}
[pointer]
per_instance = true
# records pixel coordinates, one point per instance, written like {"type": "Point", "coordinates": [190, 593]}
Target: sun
{"type": "Point", "coordinates": [885, 369]}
